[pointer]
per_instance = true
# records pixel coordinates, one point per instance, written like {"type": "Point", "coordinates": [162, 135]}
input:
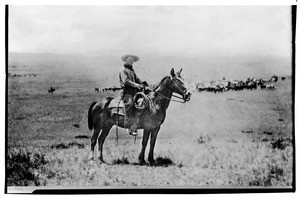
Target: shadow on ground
{"type": "Point", "coordinates": [160, 161]}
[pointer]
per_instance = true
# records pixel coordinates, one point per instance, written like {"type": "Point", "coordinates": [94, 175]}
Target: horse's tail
{"type": "Point", "coordinates": [90, 116]}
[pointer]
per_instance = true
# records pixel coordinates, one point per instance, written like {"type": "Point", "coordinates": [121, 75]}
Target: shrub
{"type": "Point", "coordinates": [21, 166]}
{"type": "Point", "coordinates": [163, 161]}
{"type": "Point", "coordinates": [269, 178]}
{"type": "Point", "coordinates": [202, 140]}
{"type": "Point", "coordinates": [280, 144]}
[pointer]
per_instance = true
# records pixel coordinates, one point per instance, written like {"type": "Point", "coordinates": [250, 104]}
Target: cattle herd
{"type": "Point", "coordinates": [223, 85]}
{"type": "Point", "coordinates": [20, 75]}
{"type": "Point", "coordinates": [238, 85]}
{"type": "Point", "coordinates": [107, 89]}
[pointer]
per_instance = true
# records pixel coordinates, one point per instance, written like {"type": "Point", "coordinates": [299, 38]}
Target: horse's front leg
{"type": "Point", "coordinates": [154, 133]}
{"type": "Point", "coordinates": [144, 144]}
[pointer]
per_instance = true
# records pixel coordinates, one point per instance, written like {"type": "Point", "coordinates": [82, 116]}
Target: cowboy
{"type": "Point", "coordinates": [130, 85]}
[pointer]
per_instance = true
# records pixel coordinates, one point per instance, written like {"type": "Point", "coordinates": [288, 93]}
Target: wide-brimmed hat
{"type": "Point", "coordinates": [135, 58]}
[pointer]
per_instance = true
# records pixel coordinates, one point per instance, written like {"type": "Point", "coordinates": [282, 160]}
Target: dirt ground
{"type": "Point", "coordinates": [230, 139]}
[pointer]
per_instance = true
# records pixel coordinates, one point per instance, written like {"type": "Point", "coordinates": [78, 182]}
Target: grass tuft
{"type": "Point", "coordinates": [66, 146]}
{"type": "Point", "coordinates": [82, 137]}
{"type": "Point", "coordinates": [76, 125]}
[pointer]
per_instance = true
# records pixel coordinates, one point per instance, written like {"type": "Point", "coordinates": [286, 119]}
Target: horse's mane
{"type": "Point", "coordinates": [162, 80]}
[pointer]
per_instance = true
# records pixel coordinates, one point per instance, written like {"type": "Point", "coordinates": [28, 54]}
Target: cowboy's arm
{"type": "Point", "coordinates": [138, 80]}
{"type": "Point", "coordinates": [125, 80]}
{"type": "Point", "coordinates": [142, 84]}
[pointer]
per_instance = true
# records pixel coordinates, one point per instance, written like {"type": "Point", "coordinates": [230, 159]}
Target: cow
{"type": "Point", "coordinates": [270, 87]}
{"type": "Point", "coordinates": [251, 85]}
{"type": "Point", "coordinates": [263, 86]}
{"type": "Point", "coordinates": [274, 78]}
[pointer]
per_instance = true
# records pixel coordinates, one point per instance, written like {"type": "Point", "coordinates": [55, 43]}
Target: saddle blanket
{"type": "Point", "coordinates": [117, 106]}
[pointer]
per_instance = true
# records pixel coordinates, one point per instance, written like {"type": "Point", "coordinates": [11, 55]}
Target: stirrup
{"type": "Point", "coordinates": [133, 132]}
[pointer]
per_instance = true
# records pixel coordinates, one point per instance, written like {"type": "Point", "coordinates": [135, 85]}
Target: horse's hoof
{"type": "Point", "coordinates": [152, 162]}
{"type": "Point", "coordinates": [101, 161]}
{"type": "Point", "coordinates": [142, 162]}
{"type": "Point", "coordinates": [91, 156]}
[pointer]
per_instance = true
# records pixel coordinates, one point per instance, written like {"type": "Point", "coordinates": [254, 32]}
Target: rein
{"type": "Point", "coordinates": [170, 98]}
{"type": "Point", "coordinates": [172, 95]}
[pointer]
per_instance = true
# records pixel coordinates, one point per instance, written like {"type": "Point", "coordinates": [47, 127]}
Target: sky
{"type": "Point", "coordinates": [151, 30]}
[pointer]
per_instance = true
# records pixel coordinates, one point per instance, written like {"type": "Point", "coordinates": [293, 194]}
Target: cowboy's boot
{"type": "Point", "coordinates": [133, 131]}
{"type": "Point", "coordinates": [133, 128]}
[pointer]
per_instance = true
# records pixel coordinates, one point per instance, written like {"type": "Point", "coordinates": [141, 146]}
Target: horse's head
{"type": "Point", "coordinates": [178, 85]}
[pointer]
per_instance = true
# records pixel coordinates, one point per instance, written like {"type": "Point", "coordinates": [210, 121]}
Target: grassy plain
{"type": "Point", "coordinates": [234, 139]}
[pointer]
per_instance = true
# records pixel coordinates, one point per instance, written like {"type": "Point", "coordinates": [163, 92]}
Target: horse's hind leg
{"type": "Point", "coordinates": [103, 135]}
{"type": "Point", "coordinates": [93, 143]}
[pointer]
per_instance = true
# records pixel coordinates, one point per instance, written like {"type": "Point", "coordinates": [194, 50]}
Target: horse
{"type": "Point", "coordinates": [101, 119]}
{"type": "Point", "coordinates": [116, 88]}
{"type": "Point", "coordinates": [51, 90]}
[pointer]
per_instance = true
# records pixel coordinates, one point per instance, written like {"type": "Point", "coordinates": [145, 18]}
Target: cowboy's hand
{"type": "Point", "coordinates": [145, 83]}
{"type": "Point", "coordinates": [141, 86]}
{"type": "Point", "coordinates": [147, 88]}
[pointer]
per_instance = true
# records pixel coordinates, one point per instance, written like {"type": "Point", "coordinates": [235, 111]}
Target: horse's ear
{"type": "Point", "coordinates": [178, 73]}
{"type": "Point", "coordinates": [172, 72]}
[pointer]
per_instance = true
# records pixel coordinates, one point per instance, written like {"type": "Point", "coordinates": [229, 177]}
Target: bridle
{"type": "Point", "coordinates": [183, 91]}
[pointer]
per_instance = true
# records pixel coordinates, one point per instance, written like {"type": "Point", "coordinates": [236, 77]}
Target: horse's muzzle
{"type": "Point", "coordinates": [187, 96]}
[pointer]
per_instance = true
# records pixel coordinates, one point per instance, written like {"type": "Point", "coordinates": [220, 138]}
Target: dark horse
{"type": "Point", "coordinates": [100, 118]}
{"type": "Point", "coordinates": [51, 90]}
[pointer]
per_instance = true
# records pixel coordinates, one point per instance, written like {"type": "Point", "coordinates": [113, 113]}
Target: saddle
{"type": "Point", "coordinates": [117, 106]}
{"type": "Point", "coordinates": [140, 104]}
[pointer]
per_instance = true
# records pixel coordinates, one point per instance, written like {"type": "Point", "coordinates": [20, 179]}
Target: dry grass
{"type": "Point", "coordinates": [200, 144]}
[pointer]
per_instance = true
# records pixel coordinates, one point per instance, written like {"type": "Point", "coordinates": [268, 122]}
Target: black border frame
{"type": "Point", "coordinates": [161, 190]}
{"type": "Point", "coordinates": [6, 93]}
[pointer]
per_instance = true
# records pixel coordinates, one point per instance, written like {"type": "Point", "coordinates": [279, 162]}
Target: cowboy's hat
{"type": "Point", "coordinates": [135, 58]}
